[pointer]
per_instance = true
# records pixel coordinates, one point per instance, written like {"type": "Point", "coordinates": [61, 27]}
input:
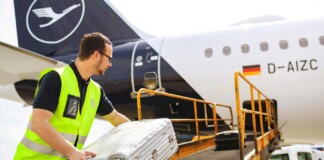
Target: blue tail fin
{"type": "Point", "coordinates": [54, 27]}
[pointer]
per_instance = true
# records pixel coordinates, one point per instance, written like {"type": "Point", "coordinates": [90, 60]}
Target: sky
{"type": "Point", "coordinates": [165, 17]}
{"type": "Point", "coordinates": [160, 18]}
{"type": "Point", "coordinates": [170, 17]}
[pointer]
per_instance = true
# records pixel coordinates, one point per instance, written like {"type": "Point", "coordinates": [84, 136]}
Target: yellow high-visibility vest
{"type": "Point", "coordinates": [66, 119]}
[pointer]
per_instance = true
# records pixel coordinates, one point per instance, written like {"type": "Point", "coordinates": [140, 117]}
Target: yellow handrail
{"type": "Point", "coordinates": [264, 139]}
{"type": "Point", "coordinates": [194, 100]}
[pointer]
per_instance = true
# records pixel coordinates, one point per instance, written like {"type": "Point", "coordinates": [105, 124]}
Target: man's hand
{"type": "Point", "coordinates": [81, 155]}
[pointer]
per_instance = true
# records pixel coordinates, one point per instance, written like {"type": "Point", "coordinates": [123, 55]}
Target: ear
{"type": "Point", "coordinates": [96, 55]}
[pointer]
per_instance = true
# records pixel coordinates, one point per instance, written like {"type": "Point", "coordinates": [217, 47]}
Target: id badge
{"type": "Point", "coordinates": [71, 107]}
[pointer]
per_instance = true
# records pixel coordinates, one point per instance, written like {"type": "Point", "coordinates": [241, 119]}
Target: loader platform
{"type": "Point", "coordinates": [256, 143]}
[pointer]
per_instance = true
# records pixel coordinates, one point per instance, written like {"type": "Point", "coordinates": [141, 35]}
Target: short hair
{"type": "Point", "coordinates": [92, 42]}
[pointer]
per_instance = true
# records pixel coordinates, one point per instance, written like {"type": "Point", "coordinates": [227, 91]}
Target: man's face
{"type": "Point", "coordinates": [105, 60]}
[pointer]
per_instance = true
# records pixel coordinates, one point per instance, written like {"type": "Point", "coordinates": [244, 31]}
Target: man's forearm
{"type": "Point", "coordinates": [122, 119]}
{"type": "Point", "coordinates": [48, 133]}
{"type": "Point", "coordinates": [40, 124]}
{"type": "Point", "coordinates": [116, 118]}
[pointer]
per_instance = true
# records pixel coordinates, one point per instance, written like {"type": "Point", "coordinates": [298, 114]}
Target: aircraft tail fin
{"type": "Point", "coordinates": [53, 28]}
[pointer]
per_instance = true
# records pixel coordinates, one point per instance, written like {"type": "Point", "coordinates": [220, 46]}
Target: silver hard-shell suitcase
{"type": "Point", "coordinates": [137, 140]}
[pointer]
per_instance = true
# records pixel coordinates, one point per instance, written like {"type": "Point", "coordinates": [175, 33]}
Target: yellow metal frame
{"type": "Point", "coordinates": [264, 139]}
{"type": "Point", "coordinates": [199, 143]}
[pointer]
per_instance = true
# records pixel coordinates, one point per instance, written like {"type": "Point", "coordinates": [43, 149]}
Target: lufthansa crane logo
{"type": "Point", "coordinates": [51, 22]}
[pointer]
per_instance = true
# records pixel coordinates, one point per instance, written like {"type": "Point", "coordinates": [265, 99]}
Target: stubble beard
{"type": "Point", "coordinates": [99, 70]}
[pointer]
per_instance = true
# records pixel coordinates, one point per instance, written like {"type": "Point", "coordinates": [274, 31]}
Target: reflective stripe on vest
{"type": "Point", "coordinates": [70, 137]}
{"type": "Point", "coordinates": [48, 150]}
{"type": "Point", "coordinates": [40, 148]}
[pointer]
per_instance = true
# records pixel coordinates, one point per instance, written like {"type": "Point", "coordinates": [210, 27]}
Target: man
{"type": "Point", "coordinates": [65, 105]}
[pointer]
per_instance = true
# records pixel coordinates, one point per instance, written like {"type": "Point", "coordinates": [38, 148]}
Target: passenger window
{"type": "Point", "coordinates": [245, 48]}
{"type": "Point", "coordinates": [264, 46]}
{"type": "Point", "coordinates": [208, 52]}
{"type": "Point", "coordinates": [321, 39]}
{"type": "Point", "coordinates": [283, 44]}
{"type": "Point", "coordinates": [227, 50]}
{"type": "Point", "coordinates": [303, 42]}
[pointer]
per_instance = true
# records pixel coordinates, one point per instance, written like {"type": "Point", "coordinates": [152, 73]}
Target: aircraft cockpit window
{"type": "Point", "coordinates": [208, 52]}
{"type": "Point", "coordinates": [264, 46]}
{"type": "Point", "coordinates": [303, 42]}
{"type": "Point", "coordinates": [283, 44]}
{"type": "Point", "coordinates": [321, 39]}
{"type": "Point", "coordinates": [280, 157]}
{"type": "Point", "coordinates": [227, 50]}
{"type": "Point", "coordinates": [304, 156]}
{"type": "Point", "coordinates": [245, 48]}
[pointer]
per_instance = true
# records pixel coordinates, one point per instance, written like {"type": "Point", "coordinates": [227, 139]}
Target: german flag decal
{"type": "Point", "coordinates": [252, 70]}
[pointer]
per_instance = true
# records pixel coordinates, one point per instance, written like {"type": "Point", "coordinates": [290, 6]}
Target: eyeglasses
{"type": "Point", "coordinates": [109, 58]}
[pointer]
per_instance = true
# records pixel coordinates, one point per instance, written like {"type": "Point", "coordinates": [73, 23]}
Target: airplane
{"type": "Point", "coordinates": [287, 56]}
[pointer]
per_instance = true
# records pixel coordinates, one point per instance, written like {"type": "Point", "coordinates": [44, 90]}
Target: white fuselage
{"type": "Point", "coordinates": [292, 76]}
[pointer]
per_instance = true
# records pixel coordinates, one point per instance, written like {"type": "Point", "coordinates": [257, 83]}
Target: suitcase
{"type": "Point", "coordinates": [227, 140]}
{"type": "Point", "coordinates": [137, 140]}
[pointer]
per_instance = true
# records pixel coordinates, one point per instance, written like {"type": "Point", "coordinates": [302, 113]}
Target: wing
{"type": "Point", "coordinates": [17, 65]}
{"type": "Point", "coordinates": [45, 12]}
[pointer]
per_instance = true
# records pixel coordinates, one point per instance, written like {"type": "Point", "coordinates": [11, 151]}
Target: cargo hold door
{"type": "Point", "coordinates": [145, 62]}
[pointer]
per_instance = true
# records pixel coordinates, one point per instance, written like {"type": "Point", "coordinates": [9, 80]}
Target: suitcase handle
{"type": "Point", "coordinates": [154, 154]}
{"type": "Point", "coordinates": [171, 138]}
